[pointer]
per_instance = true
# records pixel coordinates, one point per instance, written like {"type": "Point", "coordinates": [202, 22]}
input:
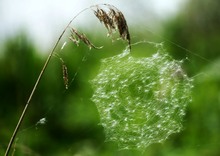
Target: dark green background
{"type": "Point", "coordinates": [72, 119]}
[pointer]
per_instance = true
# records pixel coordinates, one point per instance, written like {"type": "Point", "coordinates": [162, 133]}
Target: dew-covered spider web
{"type": "Point", "coordinates": [141, 100]}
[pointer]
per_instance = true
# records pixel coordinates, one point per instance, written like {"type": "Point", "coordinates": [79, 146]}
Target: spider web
{"type": "Point", "coordinates": [141, 100]}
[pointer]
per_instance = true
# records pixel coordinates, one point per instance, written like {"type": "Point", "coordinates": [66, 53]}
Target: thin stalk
{"type": "Point", "coordinates": [28, 101]}
{"type": "Point", "coordinates": [35, 87]}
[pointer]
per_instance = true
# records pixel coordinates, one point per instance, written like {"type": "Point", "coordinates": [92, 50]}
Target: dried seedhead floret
{"type": "Point", "coordinates": [76, 37]}
{"type": "Point", "coordinates": [114, 20]}
{"type": "Point", "coordinates": [65, 74]}
{"type": "Point", "coordinates": [106, 19]}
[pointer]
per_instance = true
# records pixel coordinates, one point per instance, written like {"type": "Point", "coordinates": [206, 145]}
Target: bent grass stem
{"type": "Point", "coordinates": [35, 87]}
{"type": "Point", "coordinates": [115, 19]}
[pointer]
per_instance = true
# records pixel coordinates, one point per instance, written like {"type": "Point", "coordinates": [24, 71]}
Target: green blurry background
{"type": "Point", "coordinates": [72, 126]}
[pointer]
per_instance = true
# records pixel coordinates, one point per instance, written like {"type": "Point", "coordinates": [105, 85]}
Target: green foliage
{"type": "Point", "coordinates": [20, 66]}
{"type": "Point", "coordinates": [141, 100]}
{"type": "Point", "coordinates": [196, 29]}
{"type": "Point", "coordinates": [71, 127]}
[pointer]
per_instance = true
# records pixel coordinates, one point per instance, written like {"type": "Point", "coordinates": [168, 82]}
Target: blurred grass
{"type": "Point", "coordinates": [72, 119]}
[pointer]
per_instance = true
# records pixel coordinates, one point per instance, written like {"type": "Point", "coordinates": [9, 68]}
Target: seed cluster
{"type": "Point", "coordinates": [113, 19]}
{"type": "Point", "coordinates": [76, 37]}
{"type": "Point", "coordinates": [141, 100]}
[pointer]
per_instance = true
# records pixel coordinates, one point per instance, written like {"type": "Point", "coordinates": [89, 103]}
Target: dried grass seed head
{"type": "Point", "coordinates": [105, 19]}
{"type": "Point", "coordinates": [114, 19]}
{"type": "Point", "coordinates": [76, 37]}
{"type": "Point", "coordinates": [65, 75]}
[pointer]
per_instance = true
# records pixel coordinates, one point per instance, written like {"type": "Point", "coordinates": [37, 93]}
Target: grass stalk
{"type": "Point", "coordinates": [21, 118]}
{"type": "Point", "coordinates": [113, 20]}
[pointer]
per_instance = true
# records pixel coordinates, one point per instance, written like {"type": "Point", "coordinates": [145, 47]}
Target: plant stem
{"type": "Point", "coordinates": [37, 82]}
{"type": "Point", "coordinates": [28, 101]}
{"type": "Point", "coordinates": [32, 93]}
